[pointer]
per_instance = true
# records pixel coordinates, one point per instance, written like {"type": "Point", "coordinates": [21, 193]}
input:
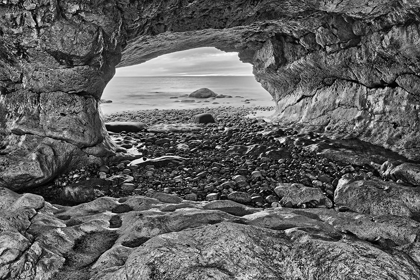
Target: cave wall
{"type": "Point", "coordinates": [349, 68]}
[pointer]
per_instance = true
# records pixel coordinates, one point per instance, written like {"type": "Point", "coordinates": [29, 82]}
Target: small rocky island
{"type": "Point", "coordinates": [328, 188]}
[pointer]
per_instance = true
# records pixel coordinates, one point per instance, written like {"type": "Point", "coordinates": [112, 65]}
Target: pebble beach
{"type": "Point", "coordinates": [242, 156]}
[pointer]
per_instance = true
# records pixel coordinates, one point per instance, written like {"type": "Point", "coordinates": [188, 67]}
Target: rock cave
{"type": "Point", "coordinates": [346, 69]}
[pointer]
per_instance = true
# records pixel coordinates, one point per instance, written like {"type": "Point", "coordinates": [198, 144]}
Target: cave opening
{"type": "Point", "coordinates": [165, 82]}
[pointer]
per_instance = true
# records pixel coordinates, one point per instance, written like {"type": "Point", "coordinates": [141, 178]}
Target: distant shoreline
{"type": "Point", "coordinates": [130, 93]}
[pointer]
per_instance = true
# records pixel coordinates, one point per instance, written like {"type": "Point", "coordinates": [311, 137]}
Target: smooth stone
{"type": "Point", "coordinates": [204, 118]}
{"type": "Point", "coordinates": [104, 168]}
{"type": "Point", "coordinates": [258, 200]}
{"type": "Point", "coordinates": [191, 196]}
{"type": "Point", "coordinates": [167, 198]}
{"type": "Point", "coordinates": [256, 174]}
{"type": "Point", "coordinates": [212, 196]}
{"type": "Point", "coordinates": [240, 197]}
{"type": "Point", "coordinates": [122, 208]}
{"type": "Point", "coordinates": [182, 147]}
{"type": "Point", "coordinates": [128, 187]}
{"type": "Point", "coordinates": [125, 126]}
{"type": "Point", "coordinates": [239, 178]}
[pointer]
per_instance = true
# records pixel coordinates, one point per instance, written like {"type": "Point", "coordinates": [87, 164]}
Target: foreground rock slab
{"type": "Point", "coordinates": [229, 250]}
{"type": "Point", "coordinates": [146, 238]}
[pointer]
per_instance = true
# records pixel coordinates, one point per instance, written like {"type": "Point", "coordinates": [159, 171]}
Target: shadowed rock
{"type": "Point", "coordinates": [203, 118]}
{"type": "Point", "coordinates": [125, 126]}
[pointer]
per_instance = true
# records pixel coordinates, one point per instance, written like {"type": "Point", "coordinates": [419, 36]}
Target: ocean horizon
{"type": "Point", "coordinates": [129, 93]}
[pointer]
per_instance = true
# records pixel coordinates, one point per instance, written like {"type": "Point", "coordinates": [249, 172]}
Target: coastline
{"type": "Point", "coordinates": [148, 93]}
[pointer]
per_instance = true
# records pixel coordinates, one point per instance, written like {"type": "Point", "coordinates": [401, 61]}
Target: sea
{"type": "Point", "coordinates": [168, 92]}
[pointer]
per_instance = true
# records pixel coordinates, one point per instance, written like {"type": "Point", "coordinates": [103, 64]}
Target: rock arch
{"type": "Point", "coordinates": [349, 68]}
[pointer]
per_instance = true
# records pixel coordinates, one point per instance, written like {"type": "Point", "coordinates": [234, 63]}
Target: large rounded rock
{"type": "Point", "coordinates": [228, 250]}
{"type": "Point", "coordinates": [202, 93]}
{"type": "Point", "coordinates": [125, 126]}
{"type": "Point", "coordinates": [407, 172]}
{"type": "Point", "coordinates": [204, 118]}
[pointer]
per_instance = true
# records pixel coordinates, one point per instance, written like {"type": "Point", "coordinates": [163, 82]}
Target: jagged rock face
{"type": "Point", "coordinates": [56, 59]}
{"type": "Point", "coordinates": [349, 68]}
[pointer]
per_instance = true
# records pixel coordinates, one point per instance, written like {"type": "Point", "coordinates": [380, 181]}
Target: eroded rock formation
{"type": "Point", "coordinates": [349, 68]}
{"type": "Point", "coordinates": [149, 238]}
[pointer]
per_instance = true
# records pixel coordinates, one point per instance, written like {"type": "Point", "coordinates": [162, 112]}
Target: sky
{"type": "Point", "coordinates": [195, 62]}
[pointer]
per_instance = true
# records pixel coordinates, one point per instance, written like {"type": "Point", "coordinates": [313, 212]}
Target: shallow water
{"type": "Point", "coordinates": [143, 93]}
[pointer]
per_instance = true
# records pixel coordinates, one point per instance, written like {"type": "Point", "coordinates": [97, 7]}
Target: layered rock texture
{"type": "Point", "coordinates": [167, 238]}
{"type": "Point", "coordinates": [346, 67]}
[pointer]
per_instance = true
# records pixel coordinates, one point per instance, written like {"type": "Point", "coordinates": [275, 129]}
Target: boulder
{"type": "Point", "coordinates": [240, 197]}
{"type": "Point", "coordinates": [204, 118]}
{"type": "Point", "coordinates": [202, 93]}
{"type": "Point", "coordinates": [406, 172]}
{"type": "Point", "coordinates": [211, 252]}
{"type": "Point", "coordinates": [125, 126]}
{"type": "Point", "coordinates": [377, 197]}
{"type": "Point", "coordinates": [298, 195]}
{"type": "Point", "coordinates": [168, 198]}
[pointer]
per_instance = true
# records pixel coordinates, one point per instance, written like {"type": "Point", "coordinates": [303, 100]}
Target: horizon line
{"type": "Point", "coordinates": [211, 75]}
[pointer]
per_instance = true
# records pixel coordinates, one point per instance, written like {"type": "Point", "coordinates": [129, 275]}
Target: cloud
{"type": "Point", "coordinates": [202, 61]}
